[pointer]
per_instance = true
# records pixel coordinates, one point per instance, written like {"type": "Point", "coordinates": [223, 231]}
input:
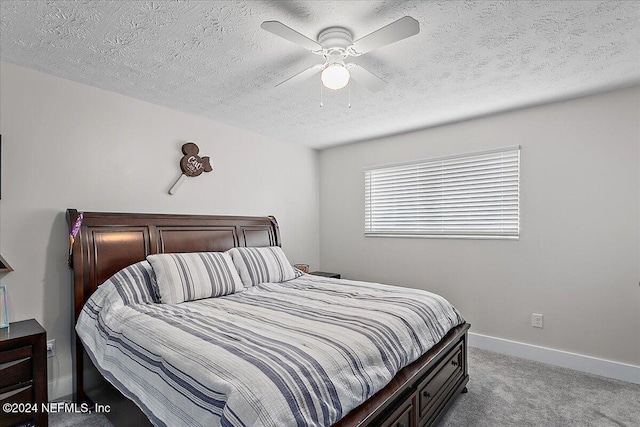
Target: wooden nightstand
{"type": "Point", "coordinates": [23, 373]}
{"type": "Point", "coordinates": [326, 274]}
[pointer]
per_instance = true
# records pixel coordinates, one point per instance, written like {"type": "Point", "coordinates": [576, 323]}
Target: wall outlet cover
{"type": "Point", "coordinates": [51, 348]}
{"type": "Point", "coordinates": [537, 320]}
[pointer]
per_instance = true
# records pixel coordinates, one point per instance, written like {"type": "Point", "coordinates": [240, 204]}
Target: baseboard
{"type": "Point", "coordinates": [61, 389]}
{"type": "Point", "coordinates": [565, 359]}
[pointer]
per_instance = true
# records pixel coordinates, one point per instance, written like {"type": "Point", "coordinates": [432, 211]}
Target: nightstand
{"type": "Point", "coordinates": [23, 372]}
{"type": "Point", "coordinates": [326, 274]}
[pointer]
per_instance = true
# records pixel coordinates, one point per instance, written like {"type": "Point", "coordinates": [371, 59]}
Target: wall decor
{"type": "Point", "coordinates": [191, 165]}
{"type": "Point", "coordinates": [4, 266]}
{"type": "Point", "coordinates": [4, 316]}
{"type": "Point", "coordinates": [72, 236]}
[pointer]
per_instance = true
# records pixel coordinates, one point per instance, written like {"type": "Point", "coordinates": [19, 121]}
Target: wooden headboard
{"type": "Point", "coordinates": [108, 242]}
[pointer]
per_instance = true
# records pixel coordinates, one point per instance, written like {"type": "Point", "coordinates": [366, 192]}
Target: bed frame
{"type": "Point", "coordinates": [417, 396]}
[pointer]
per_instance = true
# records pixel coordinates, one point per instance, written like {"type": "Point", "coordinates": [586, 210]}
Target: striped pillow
{"type": "Point", "coordinates": [135, 284]}
{"type": "Point", "coordinates": [262, 265]}
{"type": "Point", "coordinates": [191, 276]}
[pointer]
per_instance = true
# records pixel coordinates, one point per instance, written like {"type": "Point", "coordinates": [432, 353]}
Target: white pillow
{"type": "Point", "coordinates": [191, 276]}
{"type": "Point", "coordinates": [262, 265]}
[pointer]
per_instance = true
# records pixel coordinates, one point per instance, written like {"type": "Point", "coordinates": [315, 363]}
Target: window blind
{"type": "Point", "coordinates": [475, 196]}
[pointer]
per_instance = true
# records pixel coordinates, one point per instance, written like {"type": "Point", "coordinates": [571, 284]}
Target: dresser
{"type": "Point", "coordinates": [23, 374]}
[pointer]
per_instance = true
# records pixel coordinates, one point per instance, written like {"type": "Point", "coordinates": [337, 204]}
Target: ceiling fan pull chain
{"type": "Point", "coordinates": [321, 104]}
{"type": "Point", "coordinates": [349, 95]}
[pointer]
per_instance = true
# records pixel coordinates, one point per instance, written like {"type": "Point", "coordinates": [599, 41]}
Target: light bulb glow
{"type": "Point", "coordinates": [335, 76]}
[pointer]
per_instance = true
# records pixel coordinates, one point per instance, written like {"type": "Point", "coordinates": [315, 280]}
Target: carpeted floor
{"type": "Point", "coordinates": [508, 391]}
{"type": "Point", "coordinates": [78, 420]}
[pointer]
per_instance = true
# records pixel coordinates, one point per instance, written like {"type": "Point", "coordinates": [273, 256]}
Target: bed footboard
{"type": "Point", "coordinates": [420, 394]}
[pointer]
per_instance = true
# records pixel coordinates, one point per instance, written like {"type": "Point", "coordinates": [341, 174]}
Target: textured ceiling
{"type": "Point", "coordinates": [211, 59]}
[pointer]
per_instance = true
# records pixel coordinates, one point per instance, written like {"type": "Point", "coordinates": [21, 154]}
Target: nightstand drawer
{"type": "Point", "coordinates": [16, 371]}
{"type": "Point", "coordinates": [23, 373]}
{"type": "Point", "coordinates": [15, 354]}
{"type": "Point", "coordinates": [326, 274]}
{"type": "Point", "coordinates": [19, 395]}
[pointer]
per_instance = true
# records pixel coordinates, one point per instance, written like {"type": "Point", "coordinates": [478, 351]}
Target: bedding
{"type": "Point", "coordinates": [298, 353]}
{"type": "Point", "coordinates": [261, 265]}
{"type": "Point", "coordinates": [191, 276]}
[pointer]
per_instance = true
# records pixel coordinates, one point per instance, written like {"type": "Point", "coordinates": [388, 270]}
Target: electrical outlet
{"type": "Point", "coordinates": [536, 320]}
{"type": "Point", "coordinates": [51, 348]}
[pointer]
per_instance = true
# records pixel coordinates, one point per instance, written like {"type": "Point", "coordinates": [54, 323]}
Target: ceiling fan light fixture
{"type": "Point", "coordinates": [336, 44]}
{"type": "Point", "coordinates": [335, 76]}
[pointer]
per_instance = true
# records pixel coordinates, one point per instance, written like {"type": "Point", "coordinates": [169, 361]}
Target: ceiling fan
{"type": "Point", "coordinates": [335, 44]}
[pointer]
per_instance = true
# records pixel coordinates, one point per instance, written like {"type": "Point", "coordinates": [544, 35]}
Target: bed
{"type": "Point", "coordinates": [417, 395]}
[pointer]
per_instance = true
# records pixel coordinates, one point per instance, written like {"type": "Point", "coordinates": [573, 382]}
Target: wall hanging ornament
{"type": "Point", "coordinates": [4, 266]}
{"type": "Point", "coordinates": [191, 165]}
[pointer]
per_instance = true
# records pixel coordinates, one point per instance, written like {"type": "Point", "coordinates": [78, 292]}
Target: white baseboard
{"type": "Point", "coordinates": [61, 388]}
{"type": "Point", "coordinates": [565, 359]}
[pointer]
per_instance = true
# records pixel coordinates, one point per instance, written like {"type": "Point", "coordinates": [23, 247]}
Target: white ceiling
{"type": "Point", "coordinates": [211, 59]}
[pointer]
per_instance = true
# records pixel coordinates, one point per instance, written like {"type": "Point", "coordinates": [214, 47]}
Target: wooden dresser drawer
{"type": "Point", "coordinates": [439, 382]}
{"type": "Point", "coordinates": [15, 366]}
{"type": "Point", "coordinates": [18, 395]}
{"type": "Point", "coordinates": [15, 354]}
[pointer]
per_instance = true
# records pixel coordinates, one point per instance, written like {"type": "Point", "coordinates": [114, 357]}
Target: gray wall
{"type": "Point", "coordinates": [578, 255]}
{"type": "Point", "coordinates": [69, 145]}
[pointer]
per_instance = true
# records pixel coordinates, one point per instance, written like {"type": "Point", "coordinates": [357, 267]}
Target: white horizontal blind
{"type": "Point", "coordinates": [474, 195]}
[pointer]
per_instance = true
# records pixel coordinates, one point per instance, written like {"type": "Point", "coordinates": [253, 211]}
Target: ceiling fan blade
{"type": "Point", "coordinates": [279, 29]}
{"type": "Point", "coordinates": [366, 78]}
{"type": "Point", "coordinates": [396, 31]}
{"type": "Point", "coordinates": [301, 76]}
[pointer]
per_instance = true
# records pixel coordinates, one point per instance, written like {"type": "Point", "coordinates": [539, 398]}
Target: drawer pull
{"type": "Point", "coordinates": [426, 394]}
{"type": "Point", "coordinates": [454, 363]}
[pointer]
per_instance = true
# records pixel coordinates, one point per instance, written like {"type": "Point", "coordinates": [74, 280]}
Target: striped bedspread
{"type": "Point", "coordinates": [299, 353]}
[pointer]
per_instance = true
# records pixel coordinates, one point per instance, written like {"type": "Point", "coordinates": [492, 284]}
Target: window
{"type": "Point", "coordinates": [470, 196]}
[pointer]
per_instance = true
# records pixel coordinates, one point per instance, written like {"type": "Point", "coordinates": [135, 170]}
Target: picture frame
{"type": "Point", "coordinates": [4, 266]}
{"type": "Point", "coordinates": [4, 315]}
